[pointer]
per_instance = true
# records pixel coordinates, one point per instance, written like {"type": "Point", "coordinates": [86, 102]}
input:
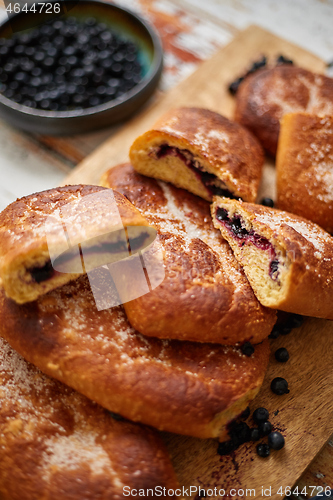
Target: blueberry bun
{"type": "Point", "coordinates": [288, 260]}
{"type": "Point", "coordinates": [40, 236]}
{"type": "Point", "coordinates": [201, 151]}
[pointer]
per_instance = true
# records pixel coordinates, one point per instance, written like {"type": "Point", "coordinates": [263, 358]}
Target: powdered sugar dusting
{"type": "Point", "coordinates": [310, 233]}
{"type": "Point", "coordinates": [83, 211]}
{"type": "Point", "coordinates": [32, 405]}
{"type": "Point", "coordinates": [70, 452]}
{"type": "Point", "coordinates": [176, 221]}
{"type": "Point", "coordinates": [120, 344]}
{"type": "Point", "coordinates": [17, 378]}
{"type": "Point", "coordinates": [316, 161]}
{"type": "Point", "coordinates": [276, 95]}
{"type": "Point", "coordinates": [316, 103]}
{"type": "Point", "coordinates": [204, 140]}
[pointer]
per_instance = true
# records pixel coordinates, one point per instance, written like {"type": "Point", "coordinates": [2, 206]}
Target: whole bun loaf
{"type": "Point", "coordinates": [57, 444]}
{"type": "Point", "coordinates": [182, 387]}
{"type": "Point", "coordinates": [264, 97]}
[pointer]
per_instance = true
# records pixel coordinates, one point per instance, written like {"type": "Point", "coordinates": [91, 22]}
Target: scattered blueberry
{"type": "Point", "coordinates": [274, 333]}
{"type": "Point", "coordinates": [265, 428]}
{"type": "Point", "coordinates": [246, 413]}
{"type": "Point", "coordinates": [247, 349]}
{"type": "Point", "coordinates": [267, 202]}
{"type": "Point", "coordinates": [255, 434]}
{"type": "Point", "coordinates": [279, 386]}
{"type": "Point", "coordinates": [276, 440]}
{"type": "Point", "coordinates": [295, 320]}
{"type": "Point", "coordinates": [263, 450]}
{"type": "Point", "coordinates": [115, 416]}
{"type": "Point", "coordinates": [283, 60]}
{"type": "Point", "coordinates": [285, 330]}
{"type": "Point", "coordinates": [281, 355]}
{"type": "Point", "coordinates": [239, 433]}
{"type": "Point", "coordinates": [260, 415]}
{"type": "Point", "coordinates": [279, 329]}
{"type": "Point", "coordinates": [226, 447]}
{"type": "Point", "coordinates": [233, 87]}
{"type": "Point", "coordinates": [258, 64]}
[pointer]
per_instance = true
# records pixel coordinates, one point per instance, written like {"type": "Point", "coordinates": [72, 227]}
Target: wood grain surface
{"type": "Point", "coordinates": [206, 87]}
{"type": "Point", "coordinates": [304, 417]}
{"type": "Point", "coordinates": [305, 414]}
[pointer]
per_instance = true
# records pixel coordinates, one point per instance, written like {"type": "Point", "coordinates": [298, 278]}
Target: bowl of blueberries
{"type": "Point", "coordinates": [71, 71]}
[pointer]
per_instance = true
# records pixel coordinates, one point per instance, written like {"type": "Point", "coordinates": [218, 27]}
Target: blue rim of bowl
{"type": "Point", "coordinates": [155, 68]}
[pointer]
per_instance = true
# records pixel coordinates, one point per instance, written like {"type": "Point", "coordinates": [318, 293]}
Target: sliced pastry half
{"type": "Point", "coordinates": [203, 152]}
{"type": "Point", "coordinates": [288, 260]}
{"type": "Point", "coordinates": [48, 239]}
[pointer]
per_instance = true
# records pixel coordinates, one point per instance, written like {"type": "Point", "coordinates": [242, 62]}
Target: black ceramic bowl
{"type": "Point", "coordinates": [126, 23]}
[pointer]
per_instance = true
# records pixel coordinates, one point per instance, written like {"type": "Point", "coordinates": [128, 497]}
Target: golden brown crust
{"type": "Point", "coordinates": [307, 265]}
{"type": "Point", "coordinates": [222, 147]}
{"type": "Point", "coordinates": [56, 444]}
{"type": "Point", "coordinates": [24, 245]}
{"type": "Point", "coordinates": [264, 97]}
{"type": "Point", "coordinates": [182, 387]}
{"type": "Point", "coordinates": [205, 296]}
{"type": "Point", "coordinates": [305, 167]}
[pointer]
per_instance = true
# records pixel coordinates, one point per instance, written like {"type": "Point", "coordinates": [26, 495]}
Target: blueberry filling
{"type": "Point", "coordinates": [106, 247]}
{"type": "Point", "coordinates": [210, 181]}
{"type": "Point", "coordinates": [235, 227]}
{"type": "Point", "coordinates": [136, 243]}
{"type": "Point", "coordinates": [47, 271]}
{"type": "Point", "coordinates": [42, 273]}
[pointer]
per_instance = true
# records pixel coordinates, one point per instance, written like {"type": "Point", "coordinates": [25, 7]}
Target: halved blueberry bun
{"type": "Point", "coordinates": [50, 238]}
{"type": "Point", "coordinates": [288, 260]}
{"type": "Point", "coordinates": [203, 152]}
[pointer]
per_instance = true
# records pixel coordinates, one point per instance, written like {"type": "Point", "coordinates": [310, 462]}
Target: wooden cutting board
{"type": "Point", "coordinates": [305, 414]}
